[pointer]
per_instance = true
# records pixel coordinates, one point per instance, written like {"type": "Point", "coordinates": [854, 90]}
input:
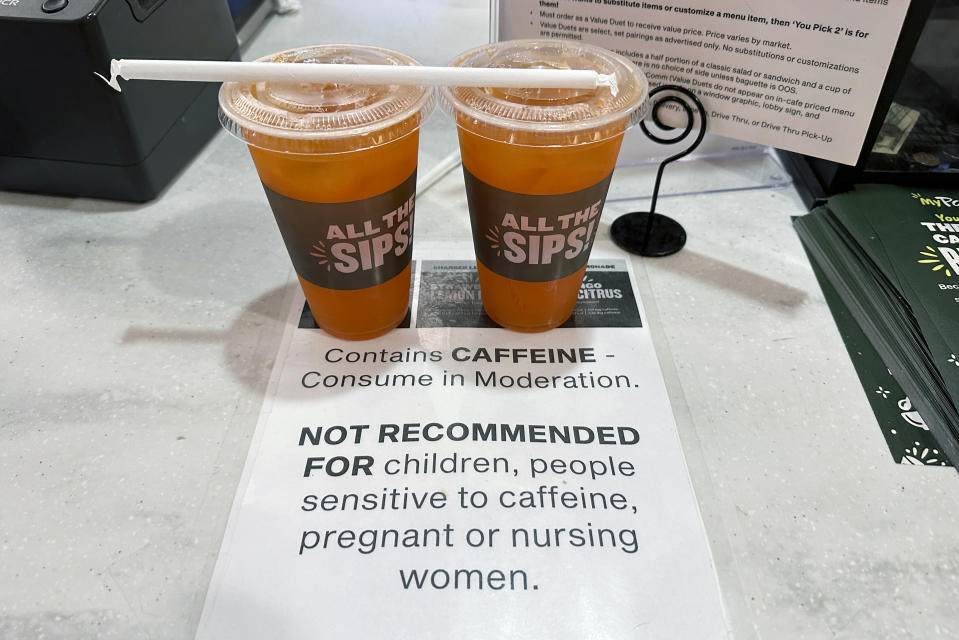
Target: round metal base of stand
{"type": "Point", "coordinates": [666, 236]}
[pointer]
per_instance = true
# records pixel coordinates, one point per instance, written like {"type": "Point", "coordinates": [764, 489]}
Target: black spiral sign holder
{"type": "Point", "coordinates": [648, 233]}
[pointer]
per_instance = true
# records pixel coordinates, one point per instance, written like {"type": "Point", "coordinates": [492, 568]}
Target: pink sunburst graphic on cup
{"type": "Point", "coordinates": [492, 234]}
{"type": "Point", "coordinates": [319, 252]}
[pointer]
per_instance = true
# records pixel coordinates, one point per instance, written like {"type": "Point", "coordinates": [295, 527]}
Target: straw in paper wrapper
{"type": "Point", "coordinates": [218, 71]}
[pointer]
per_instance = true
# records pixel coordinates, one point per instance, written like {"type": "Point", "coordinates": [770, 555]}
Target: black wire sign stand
{"type": "Point", "coordinates": [648, 233]}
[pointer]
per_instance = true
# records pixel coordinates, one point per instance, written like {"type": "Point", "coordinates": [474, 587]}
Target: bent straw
{"type": "Point", "coordinates": [218, 71]}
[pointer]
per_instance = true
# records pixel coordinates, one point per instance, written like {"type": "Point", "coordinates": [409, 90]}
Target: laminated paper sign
{"type": "Point", "coordinates": [457, 480]}
{"type": "Point", "coordinates": [802, 76]}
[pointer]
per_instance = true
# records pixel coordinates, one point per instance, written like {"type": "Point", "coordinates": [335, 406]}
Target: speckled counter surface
{"type": "Point", "coordinates": [136, 342]}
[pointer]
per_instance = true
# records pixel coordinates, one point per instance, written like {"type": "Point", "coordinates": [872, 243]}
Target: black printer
{"type": "Point", "coordinates": [64, 131]}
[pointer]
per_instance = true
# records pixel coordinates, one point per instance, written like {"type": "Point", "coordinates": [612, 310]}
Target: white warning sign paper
{"type": "Point", "coordinates": [456, 480]}
{"type": "Point", "coordinates": [802, 76]}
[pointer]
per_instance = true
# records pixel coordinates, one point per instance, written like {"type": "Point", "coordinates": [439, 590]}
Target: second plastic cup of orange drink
{"type": "Point", "coordinates": [338, 164]}
{"type": "Point", "coordinates": [537, 165]}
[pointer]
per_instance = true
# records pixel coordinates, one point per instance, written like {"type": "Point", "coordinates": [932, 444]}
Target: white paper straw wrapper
{"type": "Point", "coordinates": [216, 71]}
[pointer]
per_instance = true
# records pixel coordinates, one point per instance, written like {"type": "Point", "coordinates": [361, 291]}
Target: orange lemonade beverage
{"type": "Point", "coordinates": [338, 165]}
{"type": "Point", "coordinates": [537, 165]}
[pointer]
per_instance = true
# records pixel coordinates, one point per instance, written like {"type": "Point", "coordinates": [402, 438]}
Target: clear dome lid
{"type": "Point", "coordinates": [304, 116]}
{"type": "Point", "coordinates": [590, 112]}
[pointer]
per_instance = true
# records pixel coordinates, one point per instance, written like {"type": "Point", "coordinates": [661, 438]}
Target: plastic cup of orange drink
{"type": "Point", "coordinates": [338, 165]}
{"type": "Point", "coordinates": [537, 165]}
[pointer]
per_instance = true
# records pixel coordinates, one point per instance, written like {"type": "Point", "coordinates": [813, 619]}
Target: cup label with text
{"type": "Point", "coordinates": [348, 245]}
{"type": "Point", "coordinates": [533, 238]}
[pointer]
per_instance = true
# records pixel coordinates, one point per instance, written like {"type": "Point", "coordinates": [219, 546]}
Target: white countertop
{"type": "Point", "coordinates": [137, 341]}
